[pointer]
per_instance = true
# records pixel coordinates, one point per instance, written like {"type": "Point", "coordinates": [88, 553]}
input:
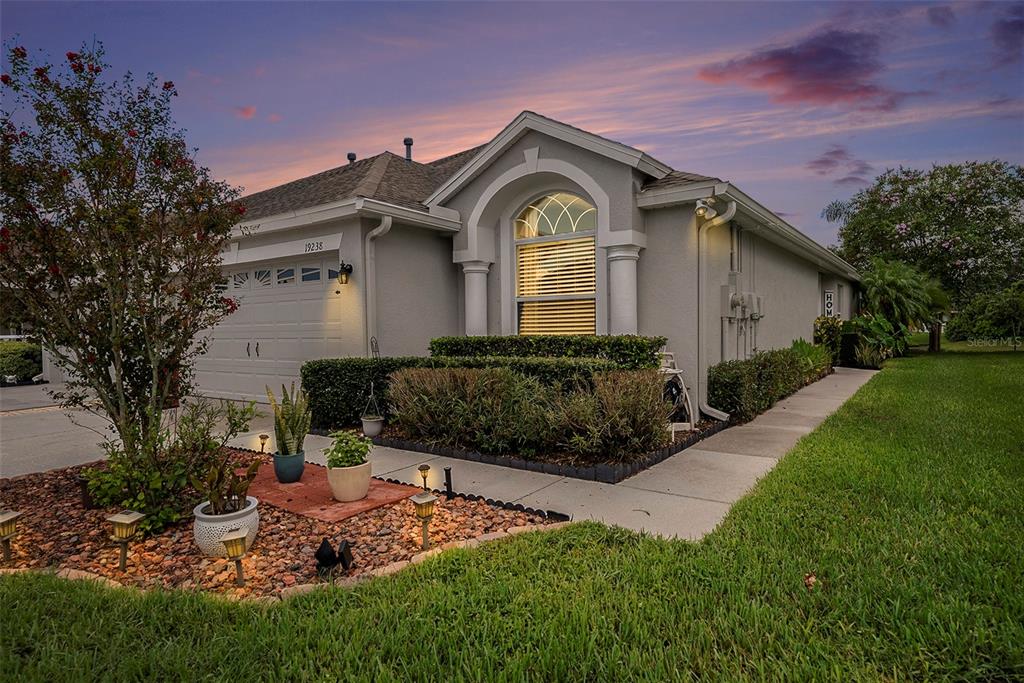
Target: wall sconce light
{"type": "Point", "coordinates": [263, 442]}
{"type": "Point", "coordinates": [234, 545]}
{"type": "Point", "coordinates": [424, 471]}
{"type": "Point", "coordinates": [125, 524]}
{"type": "Point", "coordinates": [344, 270]}
{"type": "Point", "coordinates": [8, 530]}
{"type": "Point", "coordinates": [424, 503]}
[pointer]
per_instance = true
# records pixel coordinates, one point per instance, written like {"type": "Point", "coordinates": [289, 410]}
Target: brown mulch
{"type": "Point", "coordinates": [57, 532]}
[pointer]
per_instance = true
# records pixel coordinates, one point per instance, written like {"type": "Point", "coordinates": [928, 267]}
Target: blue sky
{"type": "Point", "coordinates": [798, 103]}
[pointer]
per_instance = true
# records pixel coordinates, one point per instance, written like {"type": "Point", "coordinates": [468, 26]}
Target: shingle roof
{"type": "Point", "coordinates": [678, 178]}
{"type": "Point", "coordinates": [386, 177]}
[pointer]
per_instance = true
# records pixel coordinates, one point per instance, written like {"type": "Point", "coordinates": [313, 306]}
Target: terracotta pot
{"type": "Point", "coordinates": [349, 483]}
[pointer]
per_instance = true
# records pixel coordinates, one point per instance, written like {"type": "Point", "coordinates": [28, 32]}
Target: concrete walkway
{"type": "Point", "coordinates": [685, 496]}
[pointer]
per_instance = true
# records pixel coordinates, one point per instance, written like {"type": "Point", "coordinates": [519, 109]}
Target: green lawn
{"type": "Point", "coordinates": [907, 504]}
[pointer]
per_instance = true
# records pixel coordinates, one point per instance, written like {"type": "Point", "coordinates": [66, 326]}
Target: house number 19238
{"type": "Point", "coordinates": [314, 246]}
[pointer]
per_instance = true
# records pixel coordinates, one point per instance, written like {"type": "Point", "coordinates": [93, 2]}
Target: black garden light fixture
{"type": "Point", "coordinates": [344, 270]}
{"type": "Point", "coordinates": [263, 442]}
{"type": "Point", "coordinates": [424, 503]}
{"type": "Point", "coordinates": [8, 530]}
{"type": "Point", "coordinates": [234, 545]}
{"type": "Point", "coordinates": [327, 559]}
{"type": "Point", "coordinates": [424, 470]}
{"type": "Point", "coordinates": [125, 525]}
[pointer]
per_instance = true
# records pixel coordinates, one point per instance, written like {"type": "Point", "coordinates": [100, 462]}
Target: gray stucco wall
{"type": "Point", "coordinates": [667, 284]}
{"type": "Point", "coordinates": [417, 290]}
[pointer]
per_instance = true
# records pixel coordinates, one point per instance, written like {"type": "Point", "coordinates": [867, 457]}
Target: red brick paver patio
{"type": "Point", "coordinates": [311, 495]}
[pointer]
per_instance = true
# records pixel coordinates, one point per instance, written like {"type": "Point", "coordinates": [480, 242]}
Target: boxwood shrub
{"type": "Point", "coordinates": [338, 388]}
{"type": "Point", "coordinates": [746, 388]}
{"type": "Point", "coordinates": [628, 351]}
{"type": "Point", "coordinates": [21, 359]}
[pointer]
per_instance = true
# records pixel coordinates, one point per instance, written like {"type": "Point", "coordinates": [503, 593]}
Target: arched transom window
{"type": "Point", "coordinates": [556, 282]}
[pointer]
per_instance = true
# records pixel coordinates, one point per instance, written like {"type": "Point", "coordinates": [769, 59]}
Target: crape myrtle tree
{"type": "Point", "coordinates": [961, 224]}
{"type": "Point", "coordinates": [111, 236]}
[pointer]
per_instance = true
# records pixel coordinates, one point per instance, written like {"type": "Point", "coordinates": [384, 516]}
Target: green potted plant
{"type": "Point", "coordinates": [291, 424]}
{"type": "Point", "coordinates": [227, 505]}
{"type": "Point", "coordinates": [348, 470]}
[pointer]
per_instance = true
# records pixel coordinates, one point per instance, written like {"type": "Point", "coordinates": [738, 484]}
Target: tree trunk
{"type": "Point", "coordinates": [935, 337]}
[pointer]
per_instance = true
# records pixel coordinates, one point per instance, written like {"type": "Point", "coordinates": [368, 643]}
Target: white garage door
{"type": "Point", "coordinates": [288, 314]}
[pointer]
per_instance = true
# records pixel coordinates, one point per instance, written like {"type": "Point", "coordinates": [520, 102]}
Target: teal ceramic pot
{"type": "Point", "coordinates": [288, 468]}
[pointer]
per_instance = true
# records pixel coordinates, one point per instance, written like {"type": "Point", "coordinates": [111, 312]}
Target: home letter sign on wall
{"type": "Point", "coordinates": [829, 303]}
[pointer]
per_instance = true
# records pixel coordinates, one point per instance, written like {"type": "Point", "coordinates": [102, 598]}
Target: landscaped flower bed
{"type": "Point", "coordinates": [57, 532]}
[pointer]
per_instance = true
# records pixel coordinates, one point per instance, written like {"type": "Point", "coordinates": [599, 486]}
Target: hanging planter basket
{"type": "Point", "coordinates": [372, 418]}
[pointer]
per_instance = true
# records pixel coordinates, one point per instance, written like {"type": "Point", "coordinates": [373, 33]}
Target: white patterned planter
{"type": "Point", "coordinates": [208, 529]}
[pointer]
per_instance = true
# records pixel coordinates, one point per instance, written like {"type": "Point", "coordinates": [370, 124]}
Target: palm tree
{"type": "Point", "coordinates": [897, 292]}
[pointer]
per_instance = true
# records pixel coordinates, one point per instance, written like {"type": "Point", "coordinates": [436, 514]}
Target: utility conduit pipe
{"type": "Point", "coordinates": [703, 228]}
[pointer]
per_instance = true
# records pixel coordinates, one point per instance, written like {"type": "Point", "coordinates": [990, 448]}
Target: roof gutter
{"type": "Point", "coordinates": [441, 220]}
{"type": "Point", "coordinates": [771, 226]}
{"type": "Point", "coordinates": [703, 228]}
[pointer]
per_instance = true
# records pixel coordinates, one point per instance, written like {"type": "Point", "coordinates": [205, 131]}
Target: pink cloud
{"type": "Point", "coordinates": [246, 112]}
{"type": "Point", "coordinates": [274, 118]}
{"type": "Point", "coordinates": [830, 67]}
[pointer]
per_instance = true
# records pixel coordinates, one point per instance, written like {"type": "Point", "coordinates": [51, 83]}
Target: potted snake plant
{"type": "Point", "coordinates": [291, 424]}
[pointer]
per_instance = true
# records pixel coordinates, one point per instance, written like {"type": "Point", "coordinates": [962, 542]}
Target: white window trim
{"type": "Point", "coordinates": [507, 232]}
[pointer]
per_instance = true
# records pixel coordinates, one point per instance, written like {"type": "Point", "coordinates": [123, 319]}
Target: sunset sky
{"type": "Point", "coordinates": [797, 103]}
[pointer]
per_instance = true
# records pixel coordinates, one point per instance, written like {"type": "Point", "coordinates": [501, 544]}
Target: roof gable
{"type": "Point", "coordinates": [528, 121]}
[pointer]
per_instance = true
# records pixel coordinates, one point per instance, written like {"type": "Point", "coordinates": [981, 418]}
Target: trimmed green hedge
{"type": "Point", "coordinates": [627, 351]}
{"type": "Point", "coordinates": [338, 388]}
{"type": "Point", "coordinates": [497, 410]}
{"type": "Point", "coordinates": [747, 388]}
{"type": "Point", "coordinates": [21, 359]}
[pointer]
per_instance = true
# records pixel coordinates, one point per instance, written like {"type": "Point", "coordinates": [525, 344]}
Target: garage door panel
{"type": "Point", "coordinates": [291, 321]}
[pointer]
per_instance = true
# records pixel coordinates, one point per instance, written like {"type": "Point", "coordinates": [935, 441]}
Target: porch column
{"type": "Point", "coordinates": [475, 273]}
{"type": "Point", "coordinates": [622, 289]}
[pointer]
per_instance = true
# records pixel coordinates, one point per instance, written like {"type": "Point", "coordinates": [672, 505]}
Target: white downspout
{"type": "Point", "coordinates": [702, 238]}
{"type": "Point", "coordinates": [370, 287]}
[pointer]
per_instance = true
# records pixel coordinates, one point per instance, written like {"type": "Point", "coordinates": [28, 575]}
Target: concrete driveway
{"type": "Point", "coordinates": [36, 435]}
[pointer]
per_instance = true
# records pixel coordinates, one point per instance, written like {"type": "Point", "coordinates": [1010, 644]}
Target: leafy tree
{"type": "Point", "coordinates": [1006, 312]}
{"type": "Point", "coordinates": [962, 224]}
{"type": "Point", "coordinates": [111, 238]}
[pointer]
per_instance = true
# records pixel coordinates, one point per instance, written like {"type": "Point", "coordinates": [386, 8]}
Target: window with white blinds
{"type": "Point", "coordinates": [556, 279]}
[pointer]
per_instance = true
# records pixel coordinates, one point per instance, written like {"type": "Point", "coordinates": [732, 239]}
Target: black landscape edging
{"type": "Point", "coordinates": [515, 507]}
{"type": "Point", "coordinates": [606, 473]}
